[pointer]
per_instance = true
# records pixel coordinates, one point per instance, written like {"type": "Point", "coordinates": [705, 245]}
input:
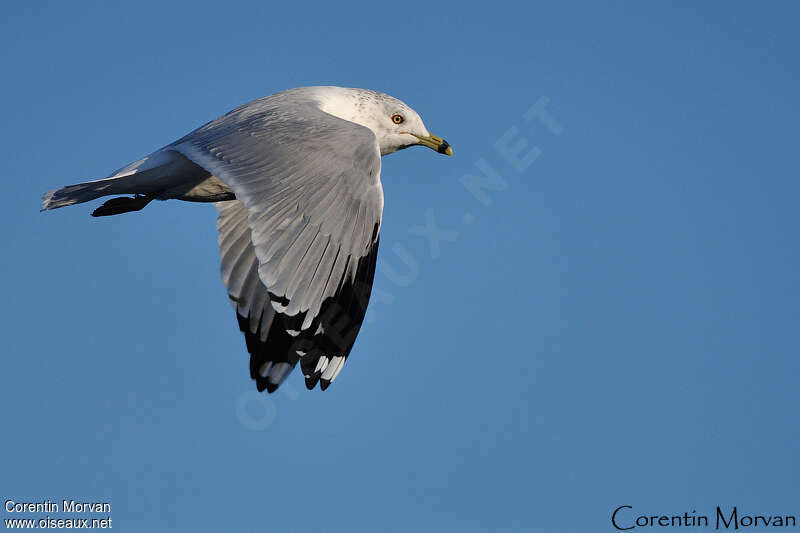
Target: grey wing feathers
{"type": "Point", "coordinates": [310, 185]}
{"type": "Point", "coordinates": [268, 345]}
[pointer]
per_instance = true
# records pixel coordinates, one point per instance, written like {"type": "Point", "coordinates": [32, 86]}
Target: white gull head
{"type": "Point", "coordinates": [393, 122]}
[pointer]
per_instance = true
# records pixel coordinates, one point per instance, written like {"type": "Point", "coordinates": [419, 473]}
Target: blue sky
{"type": "Point", "coordinates": [612, 323]}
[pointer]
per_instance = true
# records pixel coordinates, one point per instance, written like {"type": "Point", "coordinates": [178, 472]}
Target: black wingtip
{"type": "Point", "coordinates": [324, 384]}
{"type": "Point", "coordinates": [264, 385]}
{"type": "Point", "coordinates": [311, 382]}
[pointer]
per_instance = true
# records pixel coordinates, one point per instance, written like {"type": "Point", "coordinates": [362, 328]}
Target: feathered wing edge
{"type": "Point", "coordinates": [338, 324]}
{"type": "Point", "coordinates": [277, 341]}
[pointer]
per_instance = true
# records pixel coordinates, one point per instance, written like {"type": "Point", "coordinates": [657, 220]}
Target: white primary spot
{"type": "Point", "coordinates": [338, 369]}
{"type": "Point", "coordinates": [332, 367]}
{"type": "Point", "coordinates": [322, 364]}
{"type": "Point", "coordinates": [279, 307]}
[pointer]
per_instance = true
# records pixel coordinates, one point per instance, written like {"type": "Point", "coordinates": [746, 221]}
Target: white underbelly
{"type": "Point", "coordinates": [209, 190]}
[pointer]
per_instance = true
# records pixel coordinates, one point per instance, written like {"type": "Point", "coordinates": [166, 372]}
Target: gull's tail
{"type": "Point", "coordinates": [147, 178]}
{"type": "Point", "coordinates": [84, 192]}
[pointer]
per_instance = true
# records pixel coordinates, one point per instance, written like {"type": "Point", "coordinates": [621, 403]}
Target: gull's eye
{"type": "Point", "coordinates": [397, 118]}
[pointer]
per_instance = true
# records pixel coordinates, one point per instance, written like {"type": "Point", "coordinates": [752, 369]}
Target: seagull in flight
{"type": "Point", "coordinates": [295, 178]}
